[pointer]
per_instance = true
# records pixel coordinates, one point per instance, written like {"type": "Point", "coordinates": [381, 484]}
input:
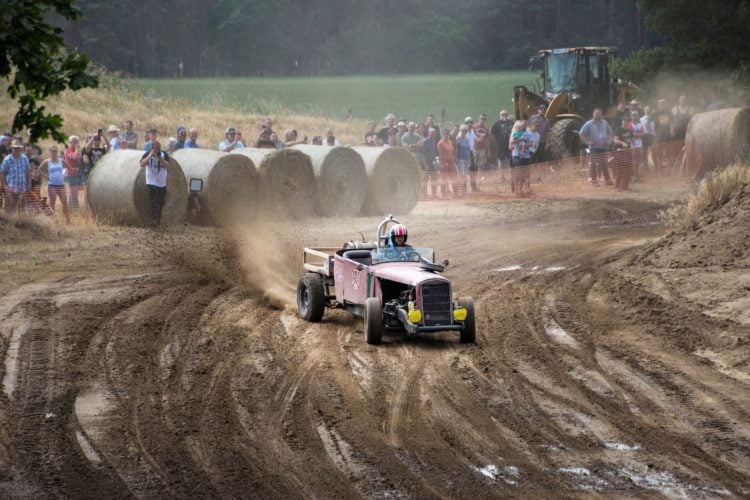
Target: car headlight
{"type": "Point", "coordinates": [459, 313]}
{"type": "Point", "coordinates": [414, 315]}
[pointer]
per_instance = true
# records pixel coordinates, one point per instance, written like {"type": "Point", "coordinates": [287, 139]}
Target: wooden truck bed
{"type": "Point", "coordinates": [319, 260]}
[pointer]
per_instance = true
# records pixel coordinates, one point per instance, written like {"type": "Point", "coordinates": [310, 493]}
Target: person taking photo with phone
{"type": "Point", "coordinates": [156, 163]}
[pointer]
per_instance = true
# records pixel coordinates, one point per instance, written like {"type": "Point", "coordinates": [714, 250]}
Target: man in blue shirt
{"type": "Point", "coordinates": [597, 134]}
{"type": "Point", "coordinates": [15, 177]}
{"type": "Point", "coordinates": [152, 136]}
{"type": "Point", "coordinates": [181, 136]}
{"type": "Point", "coordinates": [192, 143]}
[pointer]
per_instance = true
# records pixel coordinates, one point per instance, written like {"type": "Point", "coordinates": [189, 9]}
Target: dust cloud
{"type": "Point", "coordinates": [268, 257]}
{"type": "Point", "coordinates": [258, 255]}
{"type": "Point", "coordinates": [700, 88]}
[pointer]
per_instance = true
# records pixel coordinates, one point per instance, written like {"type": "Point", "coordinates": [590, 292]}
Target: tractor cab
{"type": "Point", "coordinates": [583, 72]}
{"type": "Point", "coordinates": [573, 81]}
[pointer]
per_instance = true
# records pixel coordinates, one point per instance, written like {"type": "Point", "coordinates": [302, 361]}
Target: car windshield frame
{"type": "Point", "coordinates": [402, 254]}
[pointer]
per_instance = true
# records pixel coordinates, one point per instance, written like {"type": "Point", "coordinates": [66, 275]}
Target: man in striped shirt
{"type": "Point", "coordinates": [15, 178]}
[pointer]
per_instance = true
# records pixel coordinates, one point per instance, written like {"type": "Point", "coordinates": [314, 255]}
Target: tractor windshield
{"type": "Point", "coordinates": [561, 72]}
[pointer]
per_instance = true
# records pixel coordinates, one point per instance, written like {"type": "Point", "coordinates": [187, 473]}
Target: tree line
{"type": "Point", "coordinates": [195, 38]}
{"type": "Point", "coordinates": [47, 44]}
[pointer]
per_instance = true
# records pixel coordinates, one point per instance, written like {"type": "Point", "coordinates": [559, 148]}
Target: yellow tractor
{"type": "Point", "coordinates": [574, 81]}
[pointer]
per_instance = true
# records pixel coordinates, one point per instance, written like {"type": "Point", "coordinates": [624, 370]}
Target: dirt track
{"type": "Point", "coordinates": [168, 366]}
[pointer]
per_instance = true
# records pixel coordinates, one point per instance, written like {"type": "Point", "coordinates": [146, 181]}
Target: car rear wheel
{"type": "Point", "coordinates": [373, 321]}
{"type": "Point", "coordinates": [469, 333]}
{"type": "Point", "coordinates": [311, 297]}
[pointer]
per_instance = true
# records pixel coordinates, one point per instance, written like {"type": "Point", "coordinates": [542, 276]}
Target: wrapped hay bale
{"type": "Point", "coordinates": [230, 183]}
{"type": "Point", "coordinates": [117, 190]}
{"type": "Point", "coordinates": [287, 180]}
{"type": "Point", "coordinates": [341, 179]}
{"type": "Point", "coordinates": [716, 139]}
{"type": "Point", "coordinates": [394, 180]}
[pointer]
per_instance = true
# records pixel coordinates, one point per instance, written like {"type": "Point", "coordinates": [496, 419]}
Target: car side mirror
{"type": "Point", "coordinates": [445, 263]}
{"type": "Point", "coordinates": [360, 267]}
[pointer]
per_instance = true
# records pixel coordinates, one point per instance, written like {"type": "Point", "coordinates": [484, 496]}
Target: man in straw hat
{"type": "Point", "coordinates": [15, 177]}
{"type": "Point", "coordinates": [115, 141]}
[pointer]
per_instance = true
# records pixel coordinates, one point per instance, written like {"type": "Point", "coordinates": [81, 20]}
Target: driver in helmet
{"type": "Point", "coordinates": [398, 236]}
{"type": "Point", "coordinates": [397, 241]}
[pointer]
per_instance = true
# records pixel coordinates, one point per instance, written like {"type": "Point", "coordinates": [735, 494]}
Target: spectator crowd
{"type": "Point", "coordinates": [453, 159]}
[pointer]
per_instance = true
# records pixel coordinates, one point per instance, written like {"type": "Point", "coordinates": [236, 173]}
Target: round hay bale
{"type": "Point", "coordinates": [287, 180]}
{"type": "Point", "coordinates": [117, 190]}
{"type": "Point", "coordinates": [341, 176]}
{"type": "Point", "coordinates": [716, 139]}
{"type": "Point", "coordinates": [230, 183]}
{"type": "Point", "coordinates": [395, 179]}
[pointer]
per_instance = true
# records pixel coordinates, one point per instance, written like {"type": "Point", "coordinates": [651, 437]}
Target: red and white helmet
{"type": "Point", "coordinates": [399, 230]}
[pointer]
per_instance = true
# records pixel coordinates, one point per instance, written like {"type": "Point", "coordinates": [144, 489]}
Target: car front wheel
{"type": "Point", "coordinates": [373, 321]}
{"type": "Point", "coordinates": [469, 333]}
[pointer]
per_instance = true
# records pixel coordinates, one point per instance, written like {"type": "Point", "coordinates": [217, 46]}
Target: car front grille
{"type": "Point", "coordinates": [436, 303]}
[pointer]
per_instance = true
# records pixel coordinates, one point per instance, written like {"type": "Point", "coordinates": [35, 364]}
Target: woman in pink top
{"type": "Point", "coordinates": [72, 157]}
{"type": "Point", "coordinates": [447, 158]}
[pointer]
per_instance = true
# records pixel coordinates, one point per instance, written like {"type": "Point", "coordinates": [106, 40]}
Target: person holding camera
{"type": "Point", "coordinates": [233, 141]}
{"type": "Point", "coordinates": [94, 149]}
{"type": "Point", "coordinates": [156, 163]}
{"type": "Point", "coordinates": [291, 138]}
{"type": "Point", "coordinates": [264, 140]}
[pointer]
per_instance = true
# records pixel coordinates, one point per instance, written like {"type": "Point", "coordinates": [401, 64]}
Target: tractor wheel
{"type": "Point", "coordinates": [469, 333]}
{"type": "Point", "coordinates": [311, 297]}
{"type": "Point", "coordinates": [373, 321]}
{"type": "Point", "coordinates": [563, 141]}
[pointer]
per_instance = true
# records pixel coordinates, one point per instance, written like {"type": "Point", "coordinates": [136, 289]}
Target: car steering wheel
{"type": "Point", "coordinates": [409, 256]}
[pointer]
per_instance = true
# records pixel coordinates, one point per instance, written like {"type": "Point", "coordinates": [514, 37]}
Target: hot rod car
{"type": "Point", "coordinates": [392, 288]}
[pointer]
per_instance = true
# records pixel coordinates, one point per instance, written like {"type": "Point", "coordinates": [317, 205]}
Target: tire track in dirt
{"type": "Point", "coordinates": [279, 452]}
{"type": "Point", "coordinates": [688, 393]}
{"type": "Point", "coordinates": [118, 428]}
{"type": "Point", "coordinates": [43, 403]}
{"type": "Point", "coordinates": [349, 419]}
{"type": "Point", "coordinates": [405, 403]}
{"type": "Point", "coordinates": [176, 382]}
{"type": "Point", "coordinates": [564, 377]}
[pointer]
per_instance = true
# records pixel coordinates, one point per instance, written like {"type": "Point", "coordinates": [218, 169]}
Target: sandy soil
{"type": "Point", "coordinates": [612, 359]}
